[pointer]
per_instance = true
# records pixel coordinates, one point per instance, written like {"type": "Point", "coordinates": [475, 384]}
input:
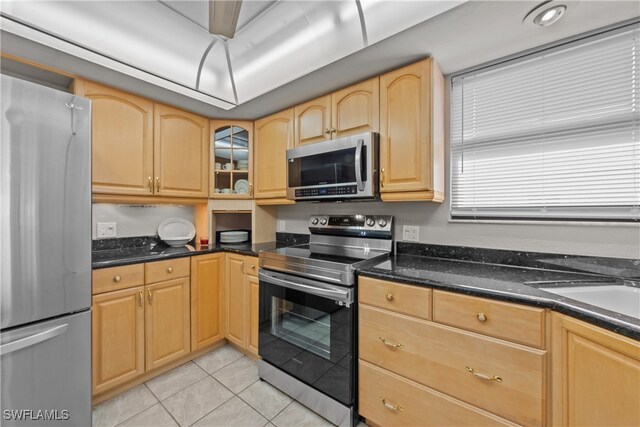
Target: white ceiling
{"type": "Point", "coordinates": [464, 36]}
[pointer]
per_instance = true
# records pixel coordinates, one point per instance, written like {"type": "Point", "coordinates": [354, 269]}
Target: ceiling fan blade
{"type": "Point", "coordinates": [223, 17]}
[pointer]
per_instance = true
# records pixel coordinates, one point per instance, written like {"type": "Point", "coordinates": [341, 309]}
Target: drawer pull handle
{"type": "Point", "coordinates": [384, 341]}
{"type": "Point", "coordinates": [389, 297]}
{"type": "Point", "coordinates": [140, 299]}
{"type": "Point", "coordinates": [390, 406]}
{"type": "Point", "coordinates": [253, 267]}
{"type": "Point", "coordinates": [150, 295]}
{"type": "Point", "coordinates": [482, 317]}
{"type": "Point", "coordinates": [117, 278]}
{"type": "Point", "coordinates": [170, 270]}
{"type": "Point", "coordinates": [483, 376]}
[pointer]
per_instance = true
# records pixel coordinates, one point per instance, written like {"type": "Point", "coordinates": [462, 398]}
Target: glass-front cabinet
{"type": "Point", "coordinates": [231, 159]}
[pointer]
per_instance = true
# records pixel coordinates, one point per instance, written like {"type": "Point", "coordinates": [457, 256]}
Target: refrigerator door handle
{"type": "Point", "coordinates": [33, 339]}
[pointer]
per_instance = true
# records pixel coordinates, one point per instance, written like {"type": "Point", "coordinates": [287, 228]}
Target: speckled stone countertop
{"type": "Point", "coordinates": [118, 252]}
{"type": "Point", "coordinates": [504, 282]}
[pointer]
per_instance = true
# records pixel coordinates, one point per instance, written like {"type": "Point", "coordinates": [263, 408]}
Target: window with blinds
{"type": "Point", "coordinates": [553, 135]}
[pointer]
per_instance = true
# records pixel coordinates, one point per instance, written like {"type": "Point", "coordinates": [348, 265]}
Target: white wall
{"type": "Point", "coordinates": [610, 240]}
{"type": "Point", "coordinates": [137, 220]}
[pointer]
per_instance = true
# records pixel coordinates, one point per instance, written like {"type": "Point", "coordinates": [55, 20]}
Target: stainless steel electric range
{"type": "Point", "coordinates": [307, 311]}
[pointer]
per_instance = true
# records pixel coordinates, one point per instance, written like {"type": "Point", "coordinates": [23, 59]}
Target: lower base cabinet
{"type": "Point", "coordinates": [167, 322]}
{"type": "Point", "coordinates": [596, 375]}
{"type": "Point", "coordinates": [241, 302]}
{"type": "Point", "coordinates": [207, 278]}
{"type": "Point", "coordinates": [118, 338]}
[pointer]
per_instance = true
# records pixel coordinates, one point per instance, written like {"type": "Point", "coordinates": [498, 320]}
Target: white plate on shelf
{"type": "Point", "coordinates": [234, 236]}
{"type": "Point", "coordinates": [241, 186]}
{"type": "Point", "coordinates": [176, 231]}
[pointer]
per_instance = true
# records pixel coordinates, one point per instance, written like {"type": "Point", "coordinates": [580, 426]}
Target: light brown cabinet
{"type": "Point", "coordinates": [273, 136]}
{"type": "Point", "coordinates": [351, 110]}
{"type": "Point", "coordinates": [412, 133]}
{"type": "Point", "coordinates": [207, 278]}
{"type": "Point", "coordinates": [596, 375]}
{"type": "Point", "coordinates": [241, 302]}
{"type": "Point", "coordinates": [141, 148]}
{"type": "Point", "coordinates": [231, 164]}
{"type": "Point", "coordinates": [117, 338]}
{"type": "Point", "coordinates": [142, 327]}
{"type": "Point", "coordinates": [122, 140]}
{"type": "Point", "coordinates": [480, 379]}
{"type": "Point", "coordinates": [181, 153]}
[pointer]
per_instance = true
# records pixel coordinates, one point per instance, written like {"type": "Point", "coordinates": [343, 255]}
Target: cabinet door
{"type": "Point", "coordinates": [356, 109]}
{"type": "Point", "coordinates": [235, 300]}
{"type": "Point", "coordinates": [181, 148]}
{"type": "Point", "coordinates": [596, 375]}
{"type": "Point", "coordinates": [167, 321]}
{"type": "Point", "coordinates": [207, 276]}
{"type": "Point", "coordinates": [117, 338]}
{"type": "Point", "coordinates": [122, 140]}
{"type": "Point", "coordinates": [273, 135]}
{"type": "Point", "coordinates": [405, 145]}
{"type": "Point", "coordinates": [313, 121]}
{"type": "Point", "coordinates": [231, 164]}
{"type": "Point", "coordinates": [253, 317]}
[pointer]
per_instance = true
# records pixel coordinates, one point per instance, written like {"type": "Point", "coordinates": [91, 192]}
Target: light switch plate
{"type": "Point", "coordinates": [106, 230]}
{"type": "Point", "coordinates": [411, 233]}
{"type": "Point", "coordinates": [281, 225]}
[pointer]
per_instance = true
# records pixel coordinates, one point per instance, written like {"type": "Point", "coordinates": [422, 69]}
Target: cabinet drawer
{"type": "Point", "coordinates": [166, 270]}
{"type": "Point", "coordinates": [387, 399]}
{"type": "Point", "coordinates": [442, 357]}
{"type": "Point", "coordinates": [251, 266]}
{"type": "Point", "coordinates": [116, 278]}
{"type": "Point", "coordinates": [407, 299]}
{"type": "Point", "coordinates": [512, 322]}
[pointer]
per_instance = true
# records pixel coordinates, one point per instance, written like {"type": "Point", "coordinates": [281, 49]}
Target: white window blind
{"type": "Point", "coordinates": [553, 135]}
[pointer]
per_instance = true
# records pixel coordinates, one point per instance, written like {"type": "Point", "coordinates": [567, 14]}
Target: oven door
{"type": "Point", "coordinates": [306, 330]}
{"type": "Point", "coordinates": [337, 169]}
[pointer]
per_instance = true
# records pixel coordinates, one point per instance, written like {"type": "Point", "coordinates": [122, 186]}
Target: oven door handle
{"type": "Point", "coordinates": [333, 294]}
{"type": "Point", "coordinates": [358, 161]}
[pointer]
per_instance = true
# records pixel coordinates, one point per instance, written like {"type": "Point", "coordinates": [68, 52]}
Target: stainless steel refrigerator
{"type": "Point", "coordinates": [45, 256]}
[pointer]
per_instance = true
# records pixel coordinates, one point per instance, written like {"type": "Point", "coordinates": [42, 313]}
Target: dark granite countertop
{"type": "Point", "coordinates": [503, 282]}
{"type": "Point", "coordinates": [160, 251]}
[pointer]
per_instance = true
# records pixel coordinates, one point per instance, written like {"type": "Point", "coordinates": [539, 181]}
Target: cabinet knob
{"type": "Point", "coordinates": [481, 317]}
{"type": "Point", "coordinates": [253, 267]}
{"type": "Point", "coordinates": [117, 278]}
{"type": "Point", "coordinates": [389, 297]}
{"type": "Point", "coordinates": [170, 270]}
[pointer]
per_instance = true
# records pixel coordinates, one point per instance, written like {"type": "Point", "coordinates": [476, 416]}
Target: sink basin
{"type": "Point", "coordinates": [619, 298]}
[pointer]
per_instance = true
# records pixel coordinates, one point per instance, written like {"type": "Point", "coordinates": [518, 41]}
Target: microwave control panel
{"type": "Point", "coordinates": [342, 190]}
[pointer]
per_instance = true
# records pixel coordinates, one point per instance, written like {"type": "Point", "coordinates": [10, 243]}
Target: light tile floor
{"type": "Point", "coordinates": [220, 388]}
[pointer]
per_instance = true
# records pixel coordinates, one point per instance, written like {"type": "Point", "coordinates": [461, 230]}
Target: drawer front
{"type": "Point", "coordinates": [166, 270]}
{"type": "Point", "coordinates": [511, 322]}
{"type": "Point", "coordinates": [445, 359]}
{"type": "Point", "coordinates": [387, 399]}
{"type": "Point", "coordinates": [406, 299]}
{"type": "Point", "coordinates": [116, 278]}
{"type": "Point", "coordinates": [251, 266]}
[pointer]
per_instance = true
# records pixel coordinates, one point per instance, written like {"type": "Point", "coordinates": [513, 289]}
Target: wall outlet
{"type": "Point", "coordinates": [411, 233]}
{"type": "Point", "coordinates": [281, 225]}
{"type": "Point", "coordinates": [106, 230]}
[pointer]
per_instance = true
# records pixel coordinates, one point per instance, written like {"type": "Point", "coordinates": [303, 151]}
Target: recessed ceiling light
{"type": "Point", "coordinates": [545, 14]}
{"type": "Point", "coordinates": [550, 16]}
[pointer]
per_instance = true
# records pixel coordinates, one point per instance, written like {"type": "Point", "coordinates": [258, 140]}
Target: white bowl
{"type": "Point", "coordinates": [174, 243]}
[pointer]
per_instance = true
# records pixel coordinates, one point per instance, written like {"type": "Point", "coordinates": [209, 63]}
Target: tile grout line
{"type": "Point", "coordinates": [166, 409]}
{"type": "Point", "coordinates": [198, 380]}
{"type": "Point", "coordinates": [143, 409]}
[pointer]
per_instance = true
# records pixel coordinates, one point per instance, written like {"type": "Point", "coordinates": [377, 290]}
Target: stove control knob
{"type": "Point", "coordinates": [314, 221]}
{"type": "Point", "coordinates": [371, 222]}
{"type": "Point", "coordinates": [323, 221]}
{"type": "Point", "coordinates": [382, 222]}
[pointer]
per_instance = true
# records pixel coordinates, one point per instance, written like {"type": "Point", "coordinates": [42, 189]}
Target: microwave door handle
{"type": "Point", "coordinates": [358, 161]}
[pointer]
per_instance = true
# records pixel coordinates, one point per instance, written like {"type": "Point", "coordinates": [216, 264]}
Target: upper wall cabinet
{"type": "Point", "coordinates": [181, 158]}
{"type": "Point", "coordinates": [273, 135]}
{"type": "Point", "coordinates": [351, 110]}
{"type": "Point", "coordinates": [122, 140]}
{"type": "Point", "coordinates": [145, 149]}
{"type": "Point", "coordinates": [412, 133]}
{"type": "Point", "coordinates": [231, 164]}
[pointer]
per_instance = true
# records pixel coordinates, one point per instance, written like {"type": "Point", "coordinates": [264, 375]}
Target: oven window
{"type": "Point", "coordinates": [304, 327]}
{"type": "Point", "coordinates": [335, 167]}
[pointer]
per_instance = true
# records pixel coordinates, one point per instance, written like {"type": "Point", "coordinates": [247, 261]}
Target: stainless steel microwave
{"type": "Point", "coordinates": [344, 168]}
